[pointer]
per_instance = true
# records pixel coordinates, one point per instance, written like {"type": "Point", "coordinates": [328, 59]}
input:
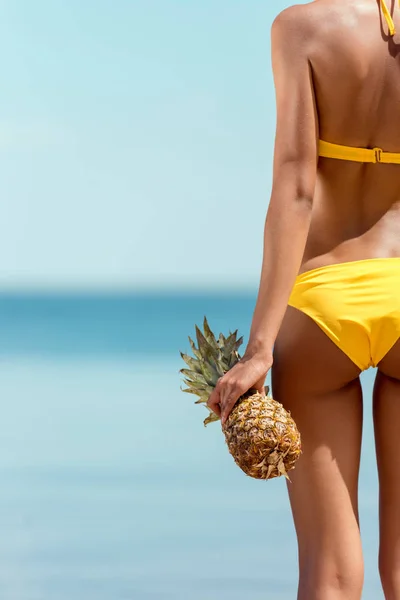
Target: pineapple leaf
{"type": "Point", "coordinates": [282, 470]}
{"type": "Point", "coordinates": [193, 375]}
{"type": "Point", "coordinates": [194, 349]}
{"type": "Point", "coordinates": [219, 369]}
{"type": "Point", "coordinates": [211, 360]}
{"type": "Point", "coordinates": [191, 384]}
{"type": "Point", "coordinates": [202, 399]}
{"type": "Point", "coordinates": [193, 363]}
{"type": "Point", "coordinates": [212, 417]}
{"type": "Point", "coordinates": [189, 391]}
{"type": "Point", "coordinates": [230, 345]}
{"type": "Point", "coordinates": [270, 469]}
{"type": "Point", "coordinates": [206, 389]}
{"type": "Point", "coordinates": [208, 333]}
{"type": "Point", "coordinates": [239, 343]}
{"type": "Point", "coordinates": [210, 373]}
{"type": "Point", "coordinates": [207, 351]}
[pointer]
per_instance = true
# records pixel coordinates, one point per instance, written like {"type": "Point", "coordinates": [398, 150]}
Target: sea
{"type": "Point", "coordinates": [111, 487]}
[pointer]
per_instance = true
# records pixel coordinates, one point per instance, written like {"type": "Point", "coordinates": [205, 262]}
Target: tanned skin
{"type": "Point", "coordinates": [337, 77]}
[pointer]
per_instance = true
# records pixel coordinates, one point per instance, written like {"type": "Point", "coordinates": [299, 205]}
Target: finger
{"type": "Point", "coordinates": [217, 410]}
{"type": "Point", "coordinates": [215, 405]}
{"type": "Point", "coordinates": [229, 400]}
{"type": "Point", "coordinates": [227, 408]}
{"type": "Point", "coordinates": [214, 401]}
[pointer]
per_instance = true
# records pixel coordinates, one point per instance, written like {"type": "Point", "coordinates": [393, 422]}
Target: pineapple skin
{"type": "Point", "coordinates": [262, 437]}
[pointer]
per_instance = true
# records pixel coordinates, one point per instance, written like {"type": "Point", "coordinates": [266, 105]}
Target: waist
{"type": "Point", "coordinates": [351, 251]}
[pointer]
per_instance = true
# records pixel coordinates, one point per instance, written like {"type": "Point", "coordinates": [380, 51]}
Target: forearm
{"type": "Point", "coordinates": [285, 234]}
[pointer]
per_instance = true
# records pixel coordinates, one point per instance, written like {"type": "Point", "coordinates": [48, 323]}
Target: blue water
{"type": "Point", "coordinates": [111, 488]}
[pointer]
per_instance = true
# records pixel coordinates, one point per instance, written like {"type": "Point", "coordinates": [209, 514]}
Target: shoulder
{"type": "Point", "coordinates": [293, 19]}
{"type": "Point", "coordinates": [299, 25]}
{"type": "Point", "coordinates": [292, 31]}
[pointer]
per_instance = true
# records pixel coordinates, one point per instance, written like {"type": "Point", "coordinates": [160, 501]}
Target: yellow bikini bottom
{"type": "Point", "coordinates": [357, 304]}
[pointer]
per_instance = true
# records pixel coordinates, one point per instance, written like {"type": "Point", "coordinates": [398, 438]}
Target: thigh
{"type": "Point", "coordinates": [320, 386]}
{"type": "Point", "coordinates": [386, 410]}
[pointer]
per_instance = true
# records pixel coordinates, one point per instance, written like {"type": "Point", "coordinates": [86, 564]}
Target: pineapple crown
{"type": "Point", "coordinates": [212, 359]}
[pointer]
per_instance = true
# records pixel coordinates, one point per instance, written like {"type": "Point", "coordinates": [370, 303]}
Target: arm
{"type": "Point", "coordinates": [289, 213]}
{"type": "Point", "coordinates": [294, 175]}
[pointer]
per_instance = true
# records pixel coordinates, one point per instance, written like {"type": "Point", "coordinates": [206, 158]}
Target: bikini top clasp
{"type": "Point", "coordinates": [378, 154]}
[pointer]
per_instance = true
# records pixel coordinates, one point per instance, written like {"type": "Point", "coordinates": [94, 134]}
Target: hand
{"type": "Point", "coordinates": [249, 372]}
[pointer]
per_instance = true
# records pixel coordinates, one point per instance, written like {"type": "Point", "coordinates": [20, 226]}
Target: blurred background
{"type": "Point", "coordinates": [136, 143]}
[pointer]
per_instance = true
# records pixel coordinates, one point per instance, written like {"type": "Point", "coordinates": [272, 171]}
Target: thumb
{"type": "Point", "coordinates": [259, 386]}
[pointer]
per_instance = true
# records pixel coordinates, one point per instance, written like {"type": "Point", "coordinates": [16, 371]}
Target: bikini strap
{"type": "Point", "coordinates": [388, 17]}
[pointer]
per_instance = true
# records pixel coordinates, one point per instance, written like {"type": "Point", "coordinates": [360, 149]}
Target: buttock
{"type": "Point", "coordinates": [356, 303]}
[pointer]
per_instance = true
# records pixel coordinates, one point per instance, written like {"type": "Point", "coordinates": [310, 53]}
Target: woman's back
{"type": "Point", "coordinates": [355, 68]}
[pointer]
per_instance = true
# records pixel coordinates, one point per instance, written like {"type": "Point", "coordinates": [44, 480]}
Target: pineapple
{"type": "Point", "coordinates": [261, 435]}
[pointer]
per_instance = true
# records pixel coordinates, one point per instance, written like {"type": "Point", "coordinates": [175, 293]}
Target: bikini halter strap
{"type": "Point", "coordinates": [388, 17]}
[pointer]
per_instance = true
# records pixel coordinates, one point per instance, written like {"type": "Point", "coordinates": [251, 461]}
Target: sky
{"type": "Point", "coordinates": [136, 143]}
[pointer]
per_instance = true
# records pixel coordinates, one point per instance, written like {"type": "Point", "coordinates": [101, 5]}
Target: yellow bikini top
{"type": "Point", "coordinates": [371, 155]}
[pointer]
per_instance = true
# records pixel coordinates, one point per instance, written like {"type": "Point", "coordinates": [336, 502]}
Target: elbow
{"type": "Point", "coordinates": [286, 194]}
{"type": "Point", "coordinates": [304, 199]}
{"type": "Point", "coordinates": [295, 182]}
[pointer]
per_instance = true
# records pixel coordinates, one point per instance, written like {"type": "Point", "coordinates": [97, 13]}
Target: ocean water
{"type": "Point", "coordinates": [111, 487]}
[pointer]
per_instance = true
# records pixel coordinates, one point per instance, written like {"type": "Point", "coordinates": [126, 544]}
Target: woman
{"type": "Point", "coordinates": [328, 305]}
